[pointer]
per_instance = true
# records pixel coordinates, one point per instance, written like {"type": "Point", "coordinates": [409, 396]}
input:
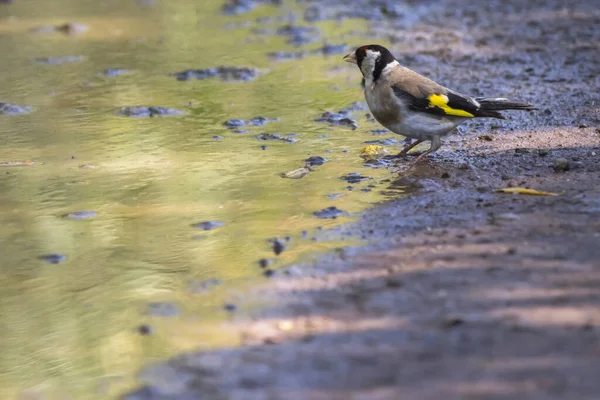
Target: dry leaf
{"type": "Point", "coordinates": [373, 151]}
{"type": "Point", "coordinates": [526, 191]}
{"type": "Point", "coordinates": [296, 174]}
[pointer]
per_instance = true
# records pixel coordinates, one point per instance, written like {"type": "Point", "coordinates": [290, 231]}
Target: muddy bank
{"type": "Point", "coordinates": [462, 292]}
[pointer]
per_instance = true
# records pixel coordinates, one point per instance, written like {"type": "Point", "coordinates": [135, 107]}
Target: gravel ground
{"type": "Point", "coordinates": [463, 292]}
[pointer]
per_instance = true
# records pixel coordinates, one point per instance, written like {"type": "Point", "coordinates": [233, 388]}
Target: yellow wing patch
{"type": "Point", "coordinates": [441, 101]}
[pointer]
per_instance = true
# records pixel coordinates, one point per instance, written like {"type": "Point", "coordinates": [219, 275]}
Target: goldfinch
{"type": "Point", "coordinates": [412, 105]}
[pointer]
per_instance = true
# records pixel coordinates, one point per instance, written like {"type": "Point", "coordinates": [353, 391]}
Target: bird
{"type": "Point", "coordinates": [414, 106]}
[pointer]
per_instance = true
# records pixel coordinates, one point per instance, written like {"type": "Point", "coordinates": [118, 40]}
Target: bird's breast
{"type": "Point", "coordinates": [384, 107]}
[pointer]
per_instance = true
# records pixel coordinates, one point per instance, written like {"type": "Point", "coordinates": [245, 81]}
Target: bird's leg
{"type": "Point", "coordinates": [408, 148]}
{"type": "Point", "coordinates": [436, 143]}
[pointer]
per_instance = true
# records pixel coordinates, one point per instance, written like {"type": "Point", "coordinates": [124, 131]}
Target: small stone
{"type": "Point", "coordinates": [330, 212]}
{"type": "Point", "coordinates": [234, 123]}
{"type": "Point", "coordinates": [13, 109]}
{"type": "Point", "coordinates": [264, 262]}
{"type": "Point", "coordinates": [116, 71]}
{"type": "Point", "coordinates": [340, 118]}
{"type": "Point", "coordinates": [315, 161]}
{"type": "Point", "coordinates": [445, 175]}
{"type": "Point", "coordinates": [230, 307]}
{"type": "Point", "coordinates": [269, 273]}
{"type": "Point", "coordinates": [72, 28]}
{"type": "Point", "coordinates": [230, 74]}
{"type": "Point", "coordinates": [148, 112]}
{"type": "Point", "coordinates": [275, 136]}
{"type": "Point", "coordinates": [80, 215]}
{"type": "Point", "coordinates": [278, 246]}
{"type": "Point", "coordinates": [208, 225]}
{"type": "Point", "coordinates": [256, 121]}
{"type": "Point", "coordinates": [297, 173]}
{"type": "Point", "coordinates": [561, 165]}
{"type": "Point", "coordinates": [144, 330]}
{"type": "Point", "coordinates": [354, 177]}
{"type": "Point", "coordinates": [53, 258]}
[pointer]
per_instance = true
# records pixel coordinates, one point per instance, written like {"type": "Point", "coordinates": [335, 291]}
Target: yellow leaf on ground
{"type": "Point", "coordinates": [373, 151]}
{"type": "Point", "coordinates": [533, 192]}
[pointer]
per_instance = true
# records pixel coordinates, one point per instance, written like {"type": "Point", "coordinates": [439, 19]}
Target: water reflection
{"type": "Point", "coordinates": [70, 330]}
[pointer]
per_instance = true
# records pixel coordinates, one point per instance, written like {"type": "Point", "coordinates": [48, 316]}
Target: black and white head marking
{"type": "Point", "coordinates": [372, 60]}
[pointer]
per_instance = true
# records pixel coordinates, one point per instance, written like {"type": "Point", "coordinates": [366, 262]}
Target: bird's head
{"type": "Point", "coordinates": [371, 60]}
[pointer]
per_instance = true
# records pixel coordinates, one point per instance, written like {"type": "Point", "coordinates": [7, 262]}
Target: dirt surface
{"type": "Point", "coordinates": [463, 292]}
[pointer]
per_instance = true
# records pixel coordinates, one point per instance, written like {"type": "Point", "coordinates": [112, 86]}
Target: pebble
{"type": "Point", "coordinates": [144, 330]}
{"type": "Point", "coordinates": [228, 74]}
{"type": "Point", "coordinates": [148, 112]}
{"type": "Point", "coordinates": [315, 161]}
{"type": "Point", "coordinates": [278, 246]}
{"type": "Point", "coordinates": [72, 28]}
{"type": "Point", "coordinates": [13, 109]}
{"type": "Point", "coordinates": [269, 273]}
{"type": "Point", "coordinates": [208, 225]}
{"type": "Point", "coordinates": [340, 118]}
{"type": "Point", "coordinates": [330, 213]}
{"type": "Point", "coordinates": [256, 121]}
{"type": "Point", "coordinates": [561, 165]}
{"type": "Point", "coordinates": [275, 136]}
{"type": "Point", "coordinates": [354, 177]}
{"type": "Point", "coordinates": [53, 258]}
{"type": "Point", "coordinates": [116, 71]}
{"type": "Point", "coordinates": [264, 262]}
{"type": "Point", "coordinates": [80, 215]}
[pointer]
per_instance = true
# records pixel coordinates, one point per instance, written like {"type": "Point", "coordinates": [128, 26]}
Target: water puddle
{"type": "Point", "coordinates": [106, 260]}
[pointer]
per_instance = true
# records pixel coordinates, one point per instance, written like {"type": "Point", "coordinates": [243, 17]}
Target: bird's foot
{"type": "Point", "coordinates": [420, 157]}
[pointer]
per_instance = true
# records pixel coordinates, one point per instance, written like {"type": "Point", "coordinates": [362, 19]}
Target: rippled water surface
{"type": "Point", "coordinates": [70, 330]}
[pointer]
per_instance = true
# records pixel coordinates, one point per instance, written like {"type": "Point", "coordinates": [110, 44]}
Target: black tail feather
{"type": "Point", "coordinates": [499, 104]}
{"type": "Point", "coordinates": [489, 106]}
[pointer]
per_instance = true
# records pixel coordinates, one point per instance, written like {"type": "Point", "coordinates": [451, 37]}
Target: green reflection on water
{"type": "Point", "coordinates": [69, 330]}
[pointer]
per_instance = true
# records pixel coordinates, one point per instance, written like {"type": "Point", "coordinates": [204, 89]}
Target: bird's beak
{"type": "Point", "coordinates": [350, 57]}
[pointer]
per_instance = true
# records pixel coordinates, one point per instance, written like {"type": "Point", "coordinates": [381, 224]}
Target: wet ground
{"type": "Point", "coordinates": [463, 292]}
